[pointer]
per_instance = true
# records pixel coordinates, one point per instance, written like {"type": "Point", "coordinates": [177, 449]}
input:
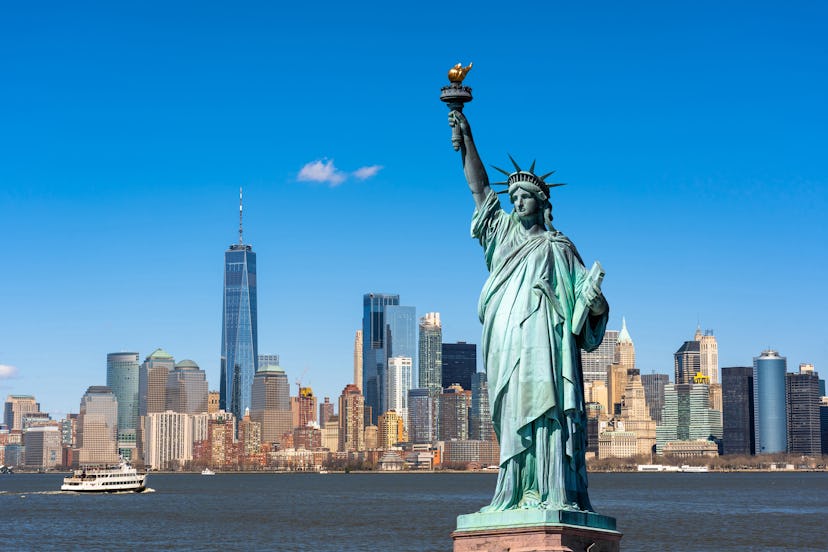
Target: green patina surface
{"type": "Point", "coordinates": [533, 518]}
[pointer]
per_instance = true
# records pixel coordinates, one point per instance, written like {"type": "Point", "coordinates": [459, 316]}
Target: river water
{"type": "Point", "coordinates": [403, 512]}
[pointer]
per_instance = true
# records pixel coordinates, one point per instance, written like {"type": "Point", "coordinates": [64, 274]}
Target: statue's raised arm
{"type": "Point", "coordinates": [472, 165]}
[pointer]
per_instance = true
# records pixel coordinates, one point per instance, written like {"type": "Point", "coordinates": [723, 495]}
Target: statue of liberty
{"type": "Point", "coordinates": [539, 307]}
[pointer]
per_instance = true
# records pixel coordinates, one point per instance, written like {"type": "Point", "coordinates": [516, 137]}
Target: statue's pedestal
{"type": "Point", "coordinates": [536, 531]}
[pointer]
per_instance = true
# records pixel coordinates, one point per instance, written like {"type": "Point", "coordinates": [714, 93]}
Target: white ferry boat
{"type": "Point", "coordinates": [207, 471]}
{"type": "Point", "coordinates": [695, 469]}
{"type": "Point", "coordinates": [120, 478]}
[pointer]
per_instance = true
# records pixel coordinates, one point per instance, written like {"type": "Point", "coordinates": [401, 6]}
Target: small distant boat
{"type": "Point", "coordinates": [694, 469]}
{"type": "Point", "coordinates": [323, 472]}
{"type": "Point", "coordinates": [120, 478]}
{"type": "Point", "coordinates": [207, 471]}
{"type": "Point", "coordinates": [657, 468]}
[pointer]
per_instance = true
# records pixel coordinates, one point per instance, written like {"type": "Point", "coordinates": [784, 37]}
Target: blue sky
{"type": "Point", "coordinates": [693, 139]}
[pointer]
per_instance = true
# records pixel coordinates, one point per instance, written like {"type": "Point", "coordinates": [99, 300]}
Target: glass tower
{"type": "Point", "coordinates": [374, 349]}
{"type": "Point", "coordinates": [737, 410]}
{"type": "Point", "coordinates": [431, 352]}
{"type": "Point", "coordinates": [122, 379]}
{"type": "Point", "coordinates": [239, 333]}
{"type": "Point", "coordinates": [459, 363]}
{"type": "Point", "coordinates": [770, 414]}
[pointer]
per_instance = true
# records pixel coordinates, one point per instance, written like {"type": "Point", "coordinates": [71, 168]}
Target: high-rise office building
{"type": "Point", "coordinates": [636, 415]}
{"type": "Point", "coordinates": [687, 415]}
{"type": "Point", "coordinates": [708, 355]}
{"type": "Point", "coordinates": [401, 331]}
{"type": "Point", "coordinates": [687, 362]}
{"type": "Point", "coordinates": [374, 350]}
{"type": "Point", "coordinates": [358, 359]}
{"type": "Point", "coordinates": [16, 407]}
{"type": "Point", "coordinates": [624, 348]}
{"type": "Point", "coordinates": [351, 420]}
{"type": "Point", "coordinates": [122, 376]}
{"type": "Point", "coordinates": [616, 383]}
{"type": "Point", "coordinates": [42, 446]}
{"type": "Point", "coordinates": [595, 365]}
{"type": "Point", "coordinates": [152, 382]}
{"type": "Point", "coordinates": [654, 393]}
{"type": "Point", "coordinates": [187, 388]}
{"type": "Point", "coordinates": [480, 416]}
{"type": "Point", "coordinates": [431, 352]}
{"type": "Point", "coordinates": [454, 414]}
{"type": "Point", "coordinates": [737, 410]}
{"type": "Point", "coordinates": [239, 333]}
{"type": "Point", "coordinates": [769, 404]}
{"type": "Point", "coordinates": [802, 394]}
{"type": "Point", "coordinates": [98, 426]}
{"type": "Point", "coordinates": [459, 364]}
{"type": "Point", "coordinates": [421, 415]}
{"type": "Point", "coordinates": [399, 383]}
{"type": "Point", "coordinates": [271, 403]}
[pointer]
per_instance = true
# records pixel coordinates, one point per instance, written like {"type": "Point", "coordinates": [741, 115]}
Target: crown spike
{"type": "Point", "coordinates": [556, 185]}
{"type": "Point", "coordinates": [512, 159]}
{"type": "Point", "coordinates": [550, 173]}
{"type": "Point", "coordinates": [504, 183]}
{"type": "Point", "coordinates": [507, 173]}
{"type": "Point", "coordinates": [502, 192]}
{"type": "Point", "coordinates": [532, 168]}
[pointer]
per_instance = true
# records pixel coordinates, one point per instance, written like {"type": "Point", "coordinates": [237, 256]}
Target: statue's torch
{"type": "Point", "coordinates": [456, 95]}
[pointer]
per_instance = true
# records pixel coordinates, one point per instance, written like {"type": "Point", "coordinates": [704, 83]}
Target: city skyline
{"type": "Point", "coordinates": [692, 142]}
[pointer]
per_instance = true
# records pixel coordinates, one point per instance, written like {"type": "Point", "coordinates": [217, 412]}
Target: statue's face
{"type": "Point", "coordinates": [526, 204]}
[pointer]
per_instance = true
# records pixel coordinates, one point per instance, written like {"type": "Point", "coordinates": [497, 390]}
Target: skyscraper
{"type": "Point", "coordinates": [270, 403]}
{"type": "Point", "coordinates": [374, 352]}
{"type": "Point", "coordinates": [351, 420]}
{"type": "Point", "coordinates": [480, 416]}
{"type": "Point", "coordinates": [769, 404]}
{"type": "Point", "coordinates": [459, 363]}
{"type": "Point", "coordinates": [596, 364]}
{"type": "Point", "coordinates": [122, 378]}
{"type": "Point", "coordinates": [454, 414]}
{"type": "Point", "coordinates": [687, 362]}
{"type": "Point", "coordinates": [399, 383]}
{"type": "Point", "coordinates": [624, 347]}
{"type": "Point", "coordinates": [239, 334]}
{"type": "Point", "coordinates": [326, 411]}
{"type": "Point", "coordinates": [737, 411]}
{"type": "Point", "coordinates": [687, 415]}
{"type": "Point", "coordinates": [16, 407]}
{"type": "Point", "coordinates": [802, 393]}
{"type": "Point", "coordinates": [98, 426]}
{"type": "Point", "coordinates": [421, 415]}
{"type": "Point", "coordinates": [152, 382]}
{"type": "Point", "coordinates": [654, 393]}
{"type": "Point", "coordinates": [708, 355]}
{"type": "Point", "coordinates": [358, 359]}
{"type": "Point", "coordinates": [431, 352]}
{"type": "Point", "coordinates": [187, 388]}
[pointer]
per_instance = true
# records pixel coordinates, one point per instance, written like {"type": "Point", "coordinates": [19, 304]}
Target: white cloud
{"type": "Point", "coordinates": [364, 173]}
{"type": "Point", "coordinates": [321, 171]}
{"type": "Point", "coordinates": [7, 371]}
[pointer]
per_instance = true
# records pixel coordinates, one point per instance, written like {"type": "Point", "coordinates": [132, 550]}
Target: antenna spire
{"type": "Point", "coordinates": [241, 241]}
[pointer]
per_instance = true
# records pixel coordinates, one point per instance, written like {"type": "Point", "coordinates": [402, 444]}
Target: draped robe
{"type": "Point", "coordinates": [532, 360]}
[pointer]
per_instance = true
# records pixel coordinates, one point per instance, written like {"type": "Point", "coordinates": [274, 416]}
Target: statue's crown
{"type": "Point", "coordinates": [521, 177]}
